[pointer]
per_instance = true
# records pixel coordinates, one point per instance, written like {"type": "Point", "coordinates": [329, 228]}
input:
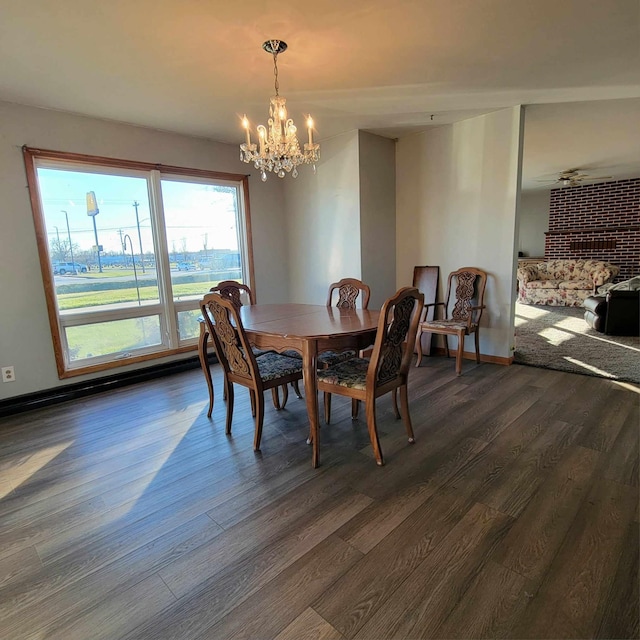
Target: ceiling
{"type": "Point", "coordinates": [195, 66]}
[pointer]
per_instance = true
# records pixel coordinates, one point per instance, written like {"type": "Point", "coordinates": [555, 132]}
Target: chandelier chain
{"type": "Point", "coordinates": [275, 71]}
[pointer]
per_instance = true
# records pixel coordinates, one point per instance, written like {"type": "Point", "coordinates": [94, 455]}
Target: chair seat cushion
{"type": "Point", "coordinates": [326, 358]}
{"type": "Point", "coordinates": [351, 374]}
{"type": "Point", "coordinates": [446, 325]}
{"type": "Point", "coordinates": [272, 365]}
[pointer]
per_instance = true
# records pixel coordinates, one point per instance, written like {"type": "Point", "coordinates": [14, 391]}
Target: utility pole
{"type": "Point", "coordinates": [70, 245]}
{"type": "Point", "coordinates": [135, 206]}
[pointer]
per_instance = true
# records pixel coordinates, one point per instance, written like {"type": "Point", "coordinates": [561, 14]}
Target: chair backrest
{"type": "Point", "coordinates": [466, 285]}
{"type": "Point", "coordinates": [225, 327]}
{"type": "Point", "coordinates": [348, 291]}
{"type": "Point", "coordinates": [395, 337]}
{"type": "Point", "coordinates": [232, 290]}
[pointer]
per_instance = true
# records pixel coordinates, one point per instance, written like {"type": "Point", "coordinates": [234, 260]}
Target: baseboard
{"type": "Point", "coordinates": [471, 355]}
{"type": "Point", "coordinates": [48, 397]}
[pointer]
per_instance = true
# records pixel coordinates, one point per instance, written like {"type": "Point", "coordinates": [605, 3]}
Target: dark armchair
{"type": "Point", "coordinates": [616, 314]}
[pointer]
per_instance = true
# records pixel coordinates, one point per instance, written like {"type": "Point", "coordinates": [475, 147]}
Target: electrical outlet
{"type": "Point", "coordinates": [8, 374]}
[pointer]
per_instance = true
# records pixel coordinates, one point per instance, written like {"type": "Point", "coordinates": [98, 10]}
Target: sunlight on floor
{"type": "Point", "coordinates": [25, 469]}
{"type": "Point", "coordinates": [555, 336]}
{"type": "Point", "coordinates": [589, 367]}
{"type": "Point", "coordinates": [629, 387]}
{"type": "Point", "coordinates": [525, 313]}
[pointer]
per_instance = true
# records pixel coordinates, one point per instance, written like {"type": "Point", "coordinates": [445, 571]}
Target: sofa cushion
{"type": "Point", "coordinates": [543, 284]}
{"type": "Point", "coordinates": [576, 284]}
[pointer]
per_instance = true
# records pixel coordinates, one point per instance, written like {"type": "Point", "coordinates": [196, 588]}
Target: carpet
{"type": "Point", "coordinates": [559, 338]}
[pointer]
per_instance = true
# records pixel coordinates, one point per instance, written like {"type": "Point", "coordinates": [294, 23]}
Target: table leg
{"type": "Point", "coordinates": [309, 369]}
{"type": "Point", "coordinates": [204, 363]}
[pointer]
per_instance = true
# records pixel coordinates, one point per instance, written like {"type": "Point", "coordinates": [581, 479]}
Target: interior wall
{"type": "Point", "coordinates": [323, 221]}
{"type": "Point", "coordinates": [457, 197]}
{"type": "Point", "coordinates": [378, 215]}
{"type": "Point", "coordinates": [534, 222]}
{"type": "Point", "coordinates": [25, 337]}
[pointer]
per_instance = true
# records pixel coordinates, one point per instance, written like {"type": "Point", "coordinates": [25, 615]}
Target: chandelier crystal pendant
{"type": "Point", "coordinates": [278, 149]}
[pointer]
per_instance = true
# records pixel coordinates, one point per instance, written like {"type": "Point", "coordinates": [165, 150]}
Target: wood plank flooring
{"type": "Point", "coordinates": [130, 515]}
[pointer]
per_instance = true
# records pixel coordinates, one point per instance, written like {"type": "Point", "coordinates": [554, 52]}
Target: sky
{"type": "Point", "coordinates": [196, 214]}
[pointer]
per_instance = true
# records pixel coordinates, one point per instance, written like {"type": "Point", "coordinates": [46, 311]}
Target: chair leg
{"type": "Point", "coordinates": [446, 344]}
{"type": "Point", "coordinates": [476, 337]}
{"type": "Point", "coordinates": [285, 396]}
{"type": "Point", "coordinates": [373, 430]}
{"type": "Point", "coordinates": [355, 408]}
{"type": "Point", "coordinates": [296, 389]}
{"type": "Point", "coordinates": [259, 421]}
{"type": "Point", "coordinates": [327, 407]}
{"type": "Point", "coordinates": [459, 354]}
{"type": "Point", "coordinates": [419, 348]}
{"type": "Point", "coordinates": [404, 399]}
{"type": "Point", "coordinates": [394, 401]}
{"type": "Point", "coordinates": [276, 398]}
{"type": "Point", "coordinates": [252, 396]}
{"type": "Point", "coordinates": [229, 409]}
{"type": "Point", "coordinates": [204, 363]}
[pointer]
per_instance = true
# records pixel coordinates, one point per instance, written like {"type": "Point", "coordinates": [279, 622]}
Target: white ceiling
{"type": "Point", "coordinates": [195, 66]}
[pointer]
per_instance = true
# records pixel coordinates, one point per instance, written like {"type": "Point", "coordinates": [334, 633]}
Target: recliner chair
{"type": "Point", "coordinates": [616, 314]}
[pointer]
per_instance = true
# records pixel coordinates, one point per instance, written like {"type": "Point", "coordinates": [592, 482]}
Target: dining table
{"type": "Point", "coordinates": [309, 330]}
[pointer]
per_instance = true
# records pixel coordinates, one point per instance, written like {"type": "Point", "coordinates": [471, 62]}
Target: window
{"type": "Point", "coordinates": [128, 249]}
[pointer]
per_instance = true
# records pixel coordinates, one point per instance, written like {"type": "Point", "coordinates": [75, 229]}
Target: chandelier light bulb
{"type": "Point", "coordinates": [279, 150]}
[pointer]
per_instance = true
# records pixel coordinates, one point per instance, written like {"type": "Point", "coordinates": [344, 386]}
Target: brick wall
{"type": "Point", "coordinates": [599, 222]}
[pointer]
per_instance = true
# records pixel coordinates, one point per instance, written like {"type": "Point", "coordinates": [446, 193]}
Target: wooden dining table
{"type": "Point", "coordinates": [308, 329]}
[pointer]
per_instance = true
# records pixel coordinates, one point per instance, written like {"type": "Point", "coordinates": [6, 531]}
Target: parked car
{"type": "Point", "coordinates": [186, 266]}
{"type": "Point", "coordinates": [60, 268]}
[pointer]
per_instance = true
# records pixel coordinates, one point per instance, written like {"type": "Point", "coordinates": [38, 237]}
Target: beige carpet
{"type": "Point", "coordinates": [559, 338]}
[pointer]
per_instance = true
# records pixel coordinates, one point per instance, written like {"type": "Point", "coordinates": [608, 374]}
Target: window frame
{"type": "Point", "coordinates": [172, 344]}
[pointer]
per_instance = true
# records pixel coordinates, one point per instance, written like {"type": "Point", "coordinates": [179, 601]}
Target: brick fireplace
{"type": "Point", "coordinates": [599, 222]}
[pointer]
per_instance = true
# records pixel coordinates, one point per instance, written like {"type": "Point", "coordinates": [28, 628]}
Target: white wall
{"type": "Point", "coordinates": [533, 216]}
{"type": "Point", "coordinates": [25, 338]}
{"type": "Point", "coordinates": [378, 215]}
{"type": "Point", "coordinates": [323, 221]}
{"type": "Point", "coordinates": [456, 194]}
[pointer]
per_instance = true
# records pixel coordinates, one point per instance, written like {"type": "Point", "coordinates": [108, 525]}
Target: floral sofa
{"type": "Point", "coordinates": [563, 282]}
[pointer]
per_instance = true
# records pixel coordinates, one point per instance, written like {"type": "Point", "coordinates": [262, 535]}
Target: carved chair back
{"type": "Point", "coordinates": [397, 328]}
{"type": "Point", "coordinates": [465, 288]}
{"type": "Point", "coordinates": [232, 290]}
{"type": "Point", "coordinates": [348, 291]}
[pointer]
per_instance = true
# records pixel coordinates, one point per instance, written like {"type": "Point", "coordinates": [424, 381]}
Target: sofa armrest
{"type": "Point", "coordinates": [604, 274]}
{"type": "Point", "coordinates": [527, 273]}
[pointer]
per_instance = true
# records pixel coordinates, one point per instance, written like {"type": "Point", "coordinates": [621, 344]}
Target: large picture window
{"type": "Point", "coordinates": [128, 249]}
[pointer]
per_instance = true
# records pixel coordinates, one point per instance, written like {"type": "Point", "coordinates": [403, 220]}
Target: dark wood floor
{"type": "Point", "coordinates": [515, 515]}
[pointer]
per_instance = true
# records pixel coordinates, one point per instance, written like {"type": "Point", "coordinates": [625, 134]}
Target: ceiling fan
{"type": "Point", "coordinates": [573, 178]}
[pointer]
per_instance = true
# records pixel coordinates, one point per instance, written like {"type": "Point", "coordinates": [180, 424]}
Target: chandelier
{"type": "Point", "coordinates": [278, 149]}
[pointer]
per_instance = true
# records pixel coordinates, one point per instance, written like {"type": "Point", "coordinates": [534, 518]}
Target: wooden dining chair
{"type": "Point", "coordinates": [267, 371]}
{"type": "Point", "coordinates": [365, 380]}
{"type": "Point", "coordinates": [348, 290]}
{"type": "Point", "coordinates": [461, 312]}
{"type": "Point", "coordinates": [231, 290]}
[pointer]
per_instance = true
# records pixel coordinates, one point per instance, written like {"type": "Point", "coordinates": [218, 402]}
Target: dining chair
{"type": "Point", "coordinates": [365, 380]}
{"type": "Point", "coordinates": [348, 290]}
{"type": "Point", "coordinates": [231, 290]}
{"type": "Point", "coordinates": [461, 311]}
{"type": "Point", "coordinates": [267, 371]}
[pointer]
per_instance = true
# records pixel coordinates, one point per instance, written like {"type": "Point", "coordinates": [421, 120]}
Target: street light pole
{"type": "Point", "coordinates": [93, 211]}
{"type": "Point", "coordinates": [135, 206]}
{"type": "Point", "coordinates": [70, 245]}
